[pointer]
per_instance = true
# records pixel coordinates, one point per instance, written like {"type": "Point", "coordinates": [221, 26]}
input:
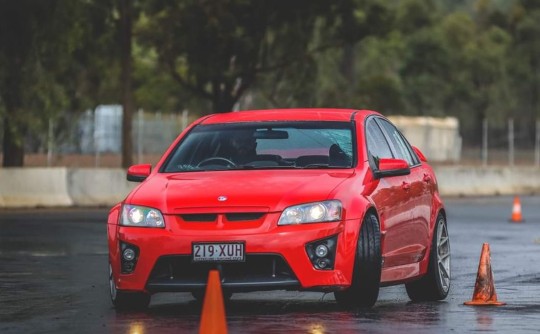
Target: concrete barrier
{"type": "Point", "coordinates": [61, 187]}
{"type": "Point", "coordinates": [98, 186]}
{"type": "Point", "coordinates": [34, 187]}
{"type": "Point", "coordinates": [487, 181]}
{"type": "Point", "coordinates": [437, 138]}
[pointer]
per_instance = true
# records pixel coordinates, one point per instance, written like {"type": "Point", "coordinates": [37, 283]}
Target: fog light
{"type": "Point", "coordinates": [129, 254]}
{"type": "Point", "coordinates": [129, 257]}
{"type": "Point", "coordinates": [321, 250]}
{"type": "Point", "coordinates": [322, 253]}
{"type": "Point", "coordinates": [322, 263]}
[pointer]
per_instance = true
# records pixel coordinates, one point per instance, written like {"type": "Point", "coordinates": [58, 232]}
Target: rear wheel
{"type": "Point", "coordinates": [436, 283]}
{"type": "Point", "coordinates": [128, 301]}
{"type": "Point", "coordinates": [364, 289]}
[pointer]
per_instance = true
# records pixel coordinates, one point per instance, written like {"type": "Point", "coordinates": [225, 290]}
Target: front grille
{"type": "Point", "coordinates": [258, 272]}
{"type": "Point", "coordinates": [230, 217]}
{"type": "Point", "coordinates": [199, 217]}
{"type": "Point", "coordinates": [234, 217]}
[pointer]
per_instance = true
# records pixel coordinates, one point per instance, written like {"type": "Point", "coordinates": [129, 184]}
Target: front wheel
{"type": "Point", "coordinates": [436, 283]}
{"type": "Point", "coordinates": [127, 301]}
{"type": "Point", "coordinates": [364, 289]}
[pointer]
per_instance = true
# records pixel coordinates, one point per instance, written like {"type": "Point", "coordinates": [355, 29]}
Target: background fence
{"type": "Point", "coordinates": [497, 143]}
{"type": "Point", "coordinates": [505, 143]}
{"type": "Point", "coordinates": [93, 139]}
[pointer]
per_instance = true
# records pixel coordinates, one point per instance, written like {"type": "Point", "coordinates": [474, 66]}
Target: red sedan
{"type": "Point", "coordinates": [328, 200]}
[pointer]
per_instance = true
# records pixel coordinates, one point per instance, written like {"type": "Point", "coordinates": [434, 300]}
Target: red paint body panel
{"type": "Point", "coordinates": [288, 241]}
{"type": "Point", "coordinates": [173, 193]}
{"type": "Point", "coordinates": [407, 207]}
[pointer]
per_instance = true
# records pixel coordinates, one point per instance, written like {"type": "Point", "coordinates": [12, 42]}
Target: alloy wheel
{"type": "Point", "coordinates": [443, 255]}
{"type": "Point", "coordinates": [112, 285]}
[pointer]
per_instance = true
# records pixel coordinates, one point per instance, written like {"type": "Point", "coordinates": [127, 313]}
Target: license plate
{"type": "Point", "coordinates": [218, 252]}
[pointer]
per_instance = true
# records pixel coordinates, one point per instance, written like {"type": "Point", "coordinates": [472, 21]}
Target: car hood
{"type": "Point", "coordinates": [265, 191]}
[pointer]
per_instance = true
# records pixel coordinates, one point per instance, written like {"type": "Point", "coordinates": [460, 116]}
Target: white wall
{"type": "Point", "coordinates": [437, 138]}
{"type": "Point", "coordinates": [479, 181]}
{"type": "Point", "coordinates": [33, 187]}
{"type": "Point", "coordinates": [62, 187]}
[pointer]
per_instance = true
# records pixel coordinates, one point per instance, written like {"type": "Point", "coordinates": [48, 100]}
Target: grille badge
{"type": "Point", "coordinates": [222, 198]}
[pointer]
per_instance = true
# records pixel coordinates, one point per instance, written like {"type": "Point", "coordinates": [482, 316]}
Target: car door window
{"type": "Point", "coordinates": [401, 146]}
{"type": "Point", "coordinates": [376, 142]}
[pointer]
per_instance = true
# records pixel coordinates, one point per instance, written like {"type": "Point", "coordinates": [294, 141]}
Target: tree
{"type": "Point", "coordinates": [327, 73]}
{"type": "Point", "coordinates": [525, 62]}
{"type": "Point", "coordinates": [480, 79]}
{"type": "Point", "coordinates": [217, 49]}
{"type": "Point", "coordinates": [60, 56]}
{"type": "Point", "coordinates": [37, 39]}
{"type": "Point", "coordinates": [424, 66]}
{"type": "Point", "coordinates": [126, 61]}
{"type": "Point", "coordinates": [352, 22]}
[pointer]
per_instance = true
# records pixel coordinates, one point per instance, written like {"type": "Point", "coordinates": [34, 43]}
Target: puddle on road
{"type": "Point", "coordinates": [19, 248]}
{"type": "Point", "coordinates": [528, 279]}
{"type": "Point", "coordinates": [16, 248]}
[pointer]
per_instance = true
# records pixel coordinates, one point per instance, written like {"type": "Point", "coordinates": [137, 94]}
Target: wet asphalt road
{"type": "Point", "coordinates": [53, 279]}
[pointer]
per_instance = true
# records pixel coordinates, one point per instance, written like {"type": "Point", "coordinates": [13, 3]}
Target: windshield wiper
{"type": "Point", "coordinates": [263, 167]}
{"type": "Point", "coordinates": [310, 166]}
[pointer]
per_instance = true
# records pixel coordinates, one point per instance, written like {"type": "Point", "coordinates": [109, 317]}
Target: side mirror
{"type": "Point", "coordinates": [419, 153]}
{"type": "Point", "coordinates": [138, 173]}
{"type": "Point", "coordinates": [392, 167]}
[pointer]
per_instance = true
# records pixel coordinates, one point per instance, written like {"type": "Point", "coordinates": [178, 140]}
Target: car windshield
{"type": "Point", "coordinates": [264, 145]}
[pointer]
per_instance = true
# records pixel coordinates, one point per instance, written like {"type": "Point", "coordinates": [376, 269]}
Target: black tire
{"type": "Point", "coordinates": [366, 279]}
{"type": "Point", "coordinates": [435, 285]}
{"type": "Point", "coordinates": [127, 301]}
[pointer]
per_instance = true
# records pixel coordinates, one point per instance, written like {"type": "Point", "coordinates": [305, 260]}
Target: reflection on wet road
{"type": "Point", "coordinates": [53, 279]}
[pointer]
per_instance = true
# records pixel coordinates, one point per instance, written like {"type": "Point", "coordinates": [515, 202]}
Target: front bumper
{"type": "Point", "coordinates": [276, 257]}
{"type": "Point", "coordinates": [258, 272]}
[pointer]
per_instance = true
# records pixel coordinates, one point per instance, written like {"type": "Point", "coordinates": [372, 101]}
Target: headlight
{"type": "Point", "coordinates": [140, 216]}
{"type": "Point", "coordinates": [327, 211]}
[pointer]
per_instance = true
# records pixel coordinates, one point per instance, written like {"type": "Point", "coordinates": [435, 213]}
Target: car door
{"type": "Point", "coordinates": [414, 233]}
{"type": "Point", "coordinates": [391, 198]}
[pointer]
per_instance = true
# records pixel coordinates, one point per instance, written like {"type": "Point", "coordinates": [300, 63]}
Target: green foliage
{"type": "Point", "coordinates": [37, 41]}
{"type": "Point", "coordinates": [217, 49]}
{"type": "Point", "coordinates": [469, 59]}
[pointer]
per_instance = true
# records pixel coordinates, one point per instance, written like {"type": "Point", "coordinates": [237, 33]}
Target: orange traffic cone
{"type": "Point", "coordinates": [484, 289]}
{"type": "Point", "coordinates": [516, 211]}
{"type": "Point", "coordinates": [213, 311]}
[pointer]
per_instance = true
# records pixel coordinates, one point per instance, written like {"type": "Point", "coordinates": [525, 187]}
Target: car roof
{"type": "Point", "coordinates": [303, 114]}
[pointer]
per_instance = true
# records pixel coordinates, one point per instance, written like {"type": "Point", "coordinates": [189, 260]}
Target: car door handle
{"type": "Point", "coordinates": [405, 186]}
{"type": "Point", "coordinates": [427, 178]}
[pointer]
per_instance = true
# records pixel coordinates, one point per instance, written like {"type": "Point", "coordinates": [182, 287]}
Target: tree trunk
{"type": "Point", "coordinates": [225, 104]}
{"type": "Point", "coordinates": [126, 12]}
{"type": "Point", "coordinates": [222, 97]}
{"type": "Point", "coordinates": [347, 64]}
{"type": "Point", "coordinates": [13, 146]}
{"type": "Point", "coordinates": [13, 141]}
{"type": "Point", "coordinates": [350, 37]}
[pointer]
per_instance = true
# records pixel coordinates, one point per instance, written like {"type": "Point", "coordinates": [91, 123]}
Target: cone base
{"type": "Point", "coordinates": [483, 303]}
{"type": "Point", "coordinates": [516, 220]}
